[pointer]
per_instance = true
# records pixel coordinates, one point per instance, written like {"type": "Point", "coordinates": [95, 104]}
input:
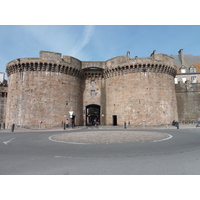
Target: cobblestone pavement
{"type": "Point", "coordinates": [108, 137]}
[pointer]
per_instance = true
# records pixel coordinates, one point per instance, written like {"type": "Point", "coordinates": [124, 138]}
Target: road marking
{"type": "Point", "coordinates": [170, 136]}
{"type": "Point", "coordinates": [6, 142]}
{"type": "Point", "coordinates": [60, 157]}
{"type": "Point", "coordinates": [50, 138]}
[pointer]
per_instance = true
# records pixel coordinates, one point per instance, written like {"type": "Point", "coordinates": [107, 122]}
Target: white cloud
{"type": "Point", "coordinates": [67, 40]}
{"type": "Point", "coordinates": [87, 35]}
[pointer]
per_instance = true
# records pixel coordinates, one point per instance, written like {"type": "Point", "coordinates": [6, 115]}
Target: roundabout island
{"type": "Point", "coordinates": [108, 137]}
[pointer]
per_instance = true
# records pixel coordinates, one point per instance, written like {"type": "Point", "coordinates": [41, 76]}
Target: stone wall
{"type": "Point", "coordinates": [188, 101]}
{"type": "Point", "coordinates": [139, 91]}
{"type": "Point", "coordinates": [94, 91]}
{"type": "Point", "coordinates": [141, 99]}
{"type": "Point", "coordinates": [93, 64]}
{"type": "Point", "coordinates": [44, 90]}
{"type": "Point", "coordinates": [43, 96]}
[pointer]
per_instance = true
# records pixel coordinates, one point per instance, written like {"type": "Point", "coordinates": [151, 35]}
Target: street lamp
{"type": "Point", "coordinates": [71, 116]}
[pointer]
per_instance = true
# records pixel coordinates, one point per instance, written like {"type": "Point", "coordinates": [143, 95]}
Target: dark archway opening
{"type": "Point", "coordinates": [92, 115]}
{"type": "Point", "coordinates": [114, 120]}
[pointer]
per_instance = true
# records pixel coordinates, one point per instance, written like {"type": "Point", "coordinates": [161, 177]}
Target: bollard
{"type": "Point", "coordinates": [125, 125]}
{"type": "Point", "coordinates": [13, 127]}
{"type": "Point", "coordinates": [177, 125]}
{"type": "Point", "coordinates": [64, 126]}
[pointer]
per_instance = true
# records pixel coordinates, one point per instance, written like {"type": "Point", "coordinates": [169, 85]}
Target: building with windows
{"type": "Point", "coordinates": [188, 67]}
{"type": "Point", "coordinates": [187, 85]}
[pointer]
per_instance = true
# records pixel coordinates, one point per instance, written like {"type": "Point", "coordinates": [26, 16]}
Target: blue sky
{"type": "Point", "coordinates": [96, 43]}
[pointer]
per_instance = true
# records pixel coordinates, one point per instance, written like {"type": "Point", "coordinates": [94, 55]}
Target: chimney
{"type": "Point", "coordinates": [181, 57]}
{"type": "Point", "coordinates": [128, 55]}
{"type": "Point", "coordinates": [154, 52]}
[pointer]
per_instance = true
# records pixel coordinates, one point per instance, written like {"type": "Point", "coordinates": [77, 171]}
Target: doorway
{"type": "Point", "coordinates": [92, 115]}
{"type": "Point", "coordinates": [114, 120]}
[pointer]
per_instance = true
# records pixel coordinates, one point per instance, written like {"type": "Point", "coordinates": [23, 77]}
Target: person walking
{"type": "Point", "coordinates": [198, 123]}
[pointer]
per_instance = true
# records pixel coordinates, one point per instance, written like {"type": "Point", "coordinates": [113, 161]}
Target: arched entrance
{"type": "Point", "coordinates": [92, 114]}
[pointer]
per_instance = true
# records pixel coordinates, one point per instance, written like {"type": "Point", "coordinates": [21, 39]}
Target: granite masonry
{"type": "Point", "coordinates": [136, 91]}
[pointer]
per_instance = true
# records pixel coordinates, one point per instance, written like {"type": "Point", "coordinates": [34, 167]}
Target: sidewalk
{"type": "Point", "coordinates": [61, 129]}
{"type": "Point", "coordinates": [181, 126]}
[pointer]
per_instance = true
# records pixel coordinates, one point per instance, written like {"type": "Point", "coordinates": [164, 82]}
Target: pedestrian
{"type": "Point", "coordinates": [67, 123]}
{"type": "Point", "coordinates": [97, 124]}
{"type": "Point", "coordinates": [198, 123]}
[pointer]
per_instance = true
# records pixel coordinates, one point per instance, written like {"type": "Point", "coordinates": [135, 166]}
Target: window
{"type": "Point", "coordinates": [193, 79]}
{"type": "Point", "coordinates": [184, 79]}
{"type": "Point", "coordinates": [183, 70]}
{"type": "Point", "coordinates": [176, 80]}
{"type": "Point", "coordinates": [192, 70]}
{"type": "Point", "coordinates": [3, 94]}
{"type": "Point", "coordinates": [92, 93]}
{"type": "Point", "coordinates": [92, 83]}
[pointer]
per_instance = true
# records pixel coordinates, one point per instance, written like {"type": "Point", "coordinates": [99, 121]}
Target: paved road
{"type": "Point", "coordinates": [33, 153]}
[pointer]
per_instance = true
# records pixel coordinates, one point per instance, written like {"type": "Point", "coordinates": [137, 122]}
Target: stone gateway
{"type": "Point", "coordinates": [136, 91]}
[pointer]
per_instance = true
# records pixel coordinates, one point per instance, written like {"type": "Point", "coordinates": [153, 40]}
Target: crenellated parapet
{"type": "Point", "coordinates": [93, 75]}
{"type": "Point", "coordinates": [92, 64]}
{"type": "Point", "coordinates": [160, 63]}
{"type": "Point", "coordinates": [49, 62]}
{"type": "Point", "coordinates": [138, 68]}
{"type": "Point", "coordinates": [157, 63]}
{"type": "Point", "coordinates": [14, 67]}
{"type": "Point", "coordinates": [53, 62]}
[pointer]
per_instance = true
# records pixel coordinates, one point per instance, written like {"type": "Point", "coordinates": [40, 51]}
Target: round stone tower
{"type": "Point", "coordinates": [140, 91]}
{"type": "Point", "coordinates": [43, 90]}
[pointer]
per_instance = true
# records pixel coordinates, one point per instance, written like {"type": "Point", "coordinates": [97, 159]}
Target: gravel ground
{"type": "Point", "coordinates": [109, 137]}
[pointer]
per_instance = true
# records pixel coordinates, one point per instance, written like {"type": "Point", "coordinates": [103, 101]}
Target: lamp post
{"type": "Point", "coordinates": [71, 116]}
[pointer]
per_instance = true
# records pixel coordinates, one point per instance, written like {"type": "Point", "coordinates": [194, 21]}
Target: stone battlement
{"type": "Point", "coordinates": [54, 62]}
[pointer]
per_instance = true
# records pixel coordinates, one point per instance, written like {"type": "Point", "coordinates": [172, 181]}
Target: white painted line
{"type": "Point", "coordinates": [6, 142]}
{"type": "Point", "coordinates": [170, 136]}
{"type": "Point", "coordinates": [60, 157]}
{"type": "Point", "coordinates": [50, 138]}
